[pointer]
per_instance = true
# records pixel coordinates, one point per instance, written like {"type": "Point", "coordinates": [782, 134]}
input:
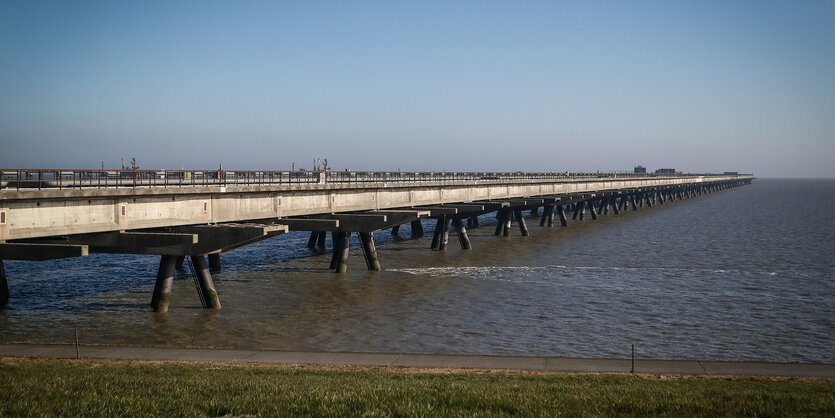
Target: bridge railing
{"type": "Point", "coordinates": [16, 179]}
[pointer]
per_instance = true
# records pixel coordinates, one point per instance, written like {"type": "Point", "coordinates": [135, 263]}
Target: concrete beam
{"type": "Point", "coordinates": [41, 252]}
{"type": "Point", "coordinates": [309, 224]}
{"type": "Point", "coordinates": [360, 222]}
{"type": "Point", "coordinates": [129, 242]}
{"type": "Point", "coordinates": [226, 237]}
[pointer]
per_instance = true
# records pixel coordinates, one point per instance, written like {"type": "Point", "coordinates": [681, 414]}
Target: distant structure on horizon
{"type": "Point", "coordinates": [665, 171]}
{"type": "Point", "coordinates": [640, 169]}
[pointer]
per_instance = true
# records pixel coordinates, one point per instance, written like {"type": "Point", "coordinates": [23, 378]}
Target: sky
{"type": "Point", "coordinates": [700, 86]}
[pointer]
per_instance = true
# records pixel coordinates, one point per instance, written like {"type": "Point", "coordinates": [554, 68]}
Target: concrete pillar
{"type": "Point", "coordinates": [547, 216]}
{"type": "Point", "coordinates": [369, 250]}
{"type": "Point", "coordinates": [507, 221]}
{"type": "Point", "coordinates": [395, 230]}
{"type": "Point", "coordinates": [591, 211]}
{"type": "Point", "coordinates": [336, 241]}
{"type": "Point", "coordinates": [463, 238]}
{"type": "Point", "coordinates": [207, 291]}
{"type": "Point", "coordinates": [311, 242]}
{"type": "Point", "coordinates": [344, 246]}
{"type": "Point", "coordinates": [4, 286]}
{"type": "Point", "coordinates": [632, 202]}
{"type": "Point", "coordinates": [534, 211]}
{"type": "Point", "coordinates": [500, 222]}
{"type": "Point", "coordinates": [576, 210]}
{"type": "Point", "coordinates": [320, 241]}
{"type": "Point", "coordinates": [417, 229]}
{"type": "Point", "coordinates": [561, 213]}
{"type": "Point", "coordinates": [444, 234]}
{"type": "Point", "coordinates": [439, 230]}
{"type": "Point", "coordinates": [603, 207]}
{"type": "Point", "coordinates": [214, 263]}
{"type": "Point", "coordinates": [179, 263]}
{"type": "Point", "coordinates": [523, 228]}
{"type": "Point", "coordinates": [165, 279]}
{"type": "Point", "coordinates": [615, 208]}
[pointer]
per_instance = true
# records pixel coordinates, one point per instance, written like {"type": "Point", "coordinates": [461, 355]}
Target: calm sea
{"type": "Point", "coordinates": [745, 274]}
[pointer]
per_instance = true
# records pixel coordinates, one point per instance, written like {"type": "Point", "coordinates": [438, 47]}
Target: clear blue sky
{"type": "Point", "coordinates": [420, 85]}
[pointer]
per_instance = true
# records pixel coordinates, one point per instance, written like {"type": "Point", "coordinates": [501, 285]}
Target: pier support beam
{"type": "Point", "coordinates": [4, 286]}
{"type": "Point", "coordinates": [207, 291]}
{"type": "Point", "coordinates": [417, 229]}
{"type": "Point", "coordinates": [591, 211]}
{"type": "Point", "coordinates": [369, 251]}
{"type": "Point", "coordinates": [561, 214]}
{"type": "Point", "coordinates": [165, 279]}
{"type": "Point", "coordinates": [320, 241]}
{"type": "Point", "coordinates": [523, 227]}
{"type": "Point", "coordinates": [311, 242]}
{"type": "Point", "coordinates": [547, 216]}
{"type": "Point", "coordinates": [615, 204]}
{"type": "Point", "coordinates": [215, 265]}
{"type": "Point", "coordinates": [463, 237]}
{"type": "Point", "coordinates": [395, 230]}
{"type": "Point", "coordinates": [342, 255]}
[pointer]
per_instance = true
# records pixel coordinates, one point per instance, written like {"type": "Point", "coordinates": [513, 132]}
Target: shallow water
{"type": "Point", "coordinates": [745, 274]}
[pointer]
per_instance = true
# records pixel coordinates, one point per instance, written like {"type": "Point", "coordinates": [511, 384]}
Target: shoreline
{"type": "Point", "coordinates": [425, 361]}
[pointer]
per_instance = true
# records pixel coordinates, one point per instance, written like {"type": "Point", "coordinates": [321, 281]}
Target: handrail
{"type": "Point", "coordinates": [56, 178]}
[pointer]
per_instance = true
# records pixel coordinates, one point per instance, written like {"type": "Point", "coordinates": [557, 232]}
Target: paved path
{"type": "Point", "coordinates": [553, 364]}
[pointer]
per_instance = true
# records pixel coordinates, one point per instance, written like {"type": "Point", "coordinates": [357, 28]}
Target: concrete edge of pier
{"type": "Point", "coordinates": [430, 361]}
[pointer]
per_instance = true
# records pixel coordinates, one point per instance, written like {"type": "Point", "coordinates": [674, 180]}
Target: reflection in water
{"type": "Point", "coordinates": [721, 277]}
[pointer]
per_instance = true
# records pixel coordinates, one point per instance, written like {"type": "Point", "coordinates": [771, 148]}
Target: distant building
{"type": "Point", "coordinates": [731, 173]}
{"type": "Point", "coordinates": [665, 171]}
{"type": "Point", "coordinates": [640, 170]}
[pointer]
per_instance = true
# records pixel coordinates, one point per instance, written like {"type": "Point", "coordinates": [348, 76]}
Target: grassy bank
{"type": "Point", "coordinates": [101, 388]}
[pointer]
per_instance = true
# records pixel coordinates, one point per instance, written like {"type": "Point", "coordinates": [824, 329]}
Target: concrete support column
{"type": "Point", "coordinates": [561, 214]}
{"type": "Point", "coordinates": [603, 207]}
{"type": "Point", "coordinates": [523, 227]}
{"type": "Point", "coordinates": [439, 230]}
{"type": "Point", "coordinates": [4, 286]}
{"type": "Point", "coordinates": [445, 233]}
{"type": "Point", "coordinates": [336, 241]}
{"type": "Point", "coordinates": [591, 211]}
{"type": "Point", "coordinates": [165, 279]}
{"type": "Point", "coordinates": [534, 211]}
{"type": "Point", "coordinates": [547, 216]}
{"type": "Point", "coordinates": [207, 291]}
{"type": "Point", "coordinates": [311, 242]}
{"type": "Point", "coordinates": [463, 238]}
{"type": "Point", "coordinates": [320, 240]}
{"type": "Point", "coordinates": [369, 250]}
{"type": "Point", "coordinates": [215, 265]}
{"type": "Point", "coordinates": [417, 229]}
{"type": "Point", "coordinates": [344, 247]}
{"type": "Point", "coordinates": [501, 214]}
{"type": "Point", "coordinates": [577, 207]}
{"type": "Point", "coordinates": [615, 206]}
{"type": "Point", "coordinates": [395, 230]}
{"type": "Point", "coordinates": [632, 202]}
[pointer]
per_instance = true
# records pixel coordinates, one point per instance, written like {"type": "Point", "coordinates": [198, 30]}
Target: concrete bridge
{"type": "Point", "coordinates": [195, 215]}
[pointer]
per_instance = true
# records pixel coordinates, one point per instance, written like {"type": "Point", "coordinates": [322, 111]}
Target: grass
{"type": "Point", "coordinates": [121, 388]}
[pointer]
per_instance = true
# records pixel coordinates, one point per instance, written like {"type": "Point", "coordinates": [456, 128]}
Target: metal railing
{"type": "Point", "coordinates": [17, 179]}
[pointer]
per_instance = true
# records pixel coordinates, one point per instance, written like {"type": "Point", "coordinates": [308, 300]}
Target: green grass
{"type": "Point", "coordinates": [102, 388]}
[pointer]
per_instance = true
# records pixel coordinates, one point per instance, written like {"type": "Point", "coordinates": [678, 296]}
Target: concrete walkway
{"type": "Point", "coordinates": [550, 364]}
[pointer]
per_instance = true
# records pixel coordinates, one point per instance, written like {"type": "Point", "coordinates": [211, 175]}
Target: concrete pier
{"type": "Point", "coordinates": [523, 227]}
{"type": "Point", "coordinates": [369, 251]}
{"type": "Point", "coordinates": [162, 288]}
{"type": "Point", "coordinates": [342, 255]}
{"type": "Point", "coordinates": [463, 237]}
{"type": "Point", "coordinates": [207, 291]}
{"type": "Point", "coordinates": [417, 229]}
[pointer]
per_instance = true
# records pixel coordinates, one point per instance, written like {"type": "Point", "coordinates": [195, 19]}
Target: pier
{"type": "Point", "coordinates": [190, 217]}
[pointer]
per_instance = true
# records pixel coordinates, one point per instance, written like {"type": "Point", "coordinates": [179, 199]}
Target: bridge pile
{"type": "Point", "coordinates": [181, 220]}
